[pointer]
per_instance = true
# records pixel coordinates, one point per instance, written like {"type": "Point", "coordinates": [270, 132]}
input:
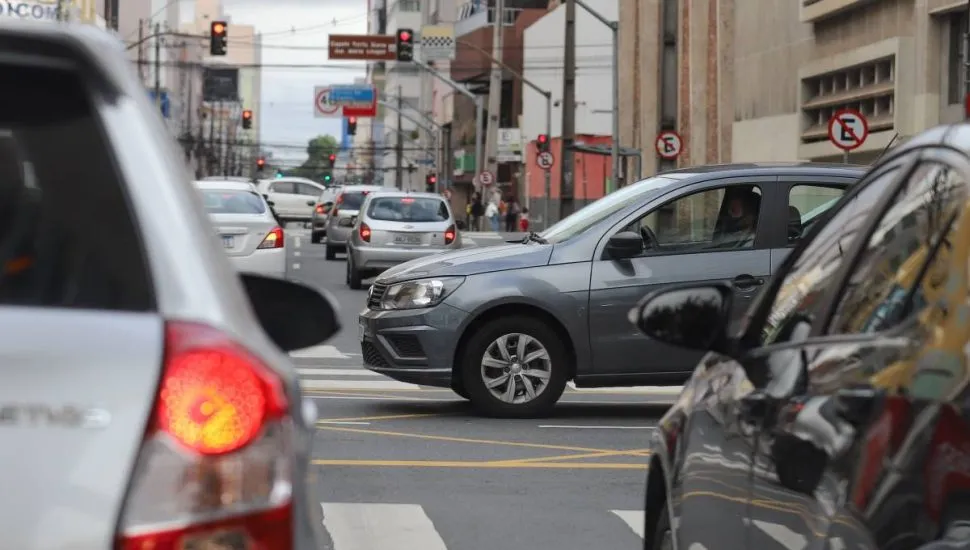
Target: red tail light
{"type": "Point", "coordinates": [214, 468]}
{"type": "Point", "coordinates": [450, 235]}
{"type": "Point", "coordinates": [320, 209]}
{"type": "Point", "coordinates": [364, 232]}
{"type": "Point", "coordinates": [273, 239]}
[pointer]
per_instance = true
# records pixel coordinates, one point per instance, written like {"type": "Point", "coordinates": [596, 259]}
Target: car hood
{"type": "Point", "coordinates": [470, 261]}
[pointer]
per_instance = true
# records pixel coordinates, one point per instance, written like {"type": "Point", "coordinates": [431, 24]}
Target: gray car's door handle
{"type": "Point", "coordinates": [745, 282]}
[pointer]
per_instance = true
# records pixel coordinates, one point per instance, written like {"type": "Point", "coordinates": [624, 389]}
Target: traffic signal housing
{"type": "Point", "coordinates": [218, 38]}
{"type": "Point", "coordinates": [405, 44]}
{"type": "Point", "coordinates": [247, 119]}
{"type": "Point", "coordinates": [430, 182]}
{"type": "Point", "coordinates": [542, 143]}
{"type": "Point", "coordinates": [327, 178]}
{"type": "Point", "coordinates": [260, 163]}
{"type": "Point", "coordinates": [352, 126]}
{"type": "Point", "coordinates": [333, 159]}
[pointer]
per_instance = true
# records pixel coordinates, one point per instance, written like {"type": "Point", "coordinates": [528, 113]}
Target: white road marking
{"type": "Point", "coordinates": [784, 535]}
{"type": "Point", "coordinates": [334, 372]}
{"type": "Point", "coordinates": [379, 526]}
{"type": "Point", "coordinates": [296, 242]}
{"type": "Point", "coordinates": [343, 422]}
{"type": "Point", "coordinates": [633, 518]}
{"type": "Point", "coordinates": [297, 253]}
{"type": "Point", "coordinates": [373, 398]}
{"type": "Point", "coordinates": [371, 385]}
{"type": "Point", "coordinates": [324, 351]}
{"type": "Point", "coordinates": [654, 390]}
{"type": "Point", "coordinates": [580, 427]}
{"type": "Point", "coordinates": [296, 265]}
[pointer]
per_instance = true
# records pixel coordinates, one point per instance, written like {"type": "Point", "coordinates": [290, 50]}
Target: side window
{"type": "Point", "coordinates": [813, 273]}
{"type": "Point", "coordinates": [723, 218]}
{"type": "Point", "coordinates": [307, 189]}
{"type": "Point", "coordinates": [806, 205]}
{"type": "Point", "coordinates": [285, 187]}
{"type": "Point", "coordinates": [895, 276]}
{"type": "Point", "coordinates": [52, 252]}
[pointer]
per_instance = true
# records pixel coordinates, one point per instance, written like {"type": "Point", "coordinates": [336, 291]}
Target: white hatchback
{"type": "Point", "coordinates": [252, 238]}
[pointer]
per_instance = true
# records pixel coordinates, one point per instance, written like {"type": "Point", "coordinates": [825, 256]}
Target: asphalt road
{"type": "Point", "coordinates": [411, 468]}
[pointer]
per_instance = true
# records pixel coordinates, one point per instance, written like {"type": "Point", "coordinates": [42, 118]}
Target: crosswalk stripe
{"type": "Point", "coordinates": [633, 518]}
{"type": "Point", "coordinates": [372, 385]}
{"type": "Point", "coordinates": [319, 352]}
{"type": "Point", "coordinates": [654, 390]}
{"type": "Point", "coordinates": [317, 371]}
{"type": "Point", "coordinates": [380, 526]}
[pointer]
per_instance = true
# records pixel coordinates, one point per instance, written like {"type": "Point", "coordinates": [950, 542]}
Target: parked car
{"type": "Point", "coordinates": [340, 222]}
{"type": "Point", "coordinates": [141, 373]}
{"type": "Point", "coordinates": [508, 326]}
{"type": "Point", "coordinates": [321, 214]}
{"type": "Point", "coordinates": [293, 198]}
{"type": "Point", "coordinates": [837, 414]}
{"type": "Point", "coordinates": [396, 227]}
{"type": "Point", "coordinates": [250, 234]}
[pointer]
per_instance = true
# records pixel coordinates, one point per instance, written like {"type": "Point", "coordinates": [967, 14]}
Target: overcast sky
{"type": "Point", "coordinates": [295, 33]}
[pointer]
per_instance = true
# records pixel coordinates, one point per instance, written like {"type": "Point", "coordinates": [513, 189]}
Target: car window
{"type": "Point", "coordinates": [407, 209]}
{"type": "Point", "coordinates": [896, 262]}
{"type": "Point", "coordinates": [307, 189]}
{"type": "Point", "coordinates": [351, 200]}
{"type": "Point", "coordinates": [592, 214]}
{"type": "Point", "coordinates": [714, 219]}
{"type": "Point", "coordinates": [231, 201]}
{"type": "Point", "coordinates": [285, 187]}
{"type": "Point", "coordinates": [806, 205]}
{"type": "Point", "coordinates": [68, 238]}
{"type": "Point", "coordinates": [813, 272]}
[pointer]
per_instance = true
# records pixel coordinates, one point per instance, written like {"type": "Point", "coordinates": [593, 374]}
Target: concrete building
{"type": "Point", "coordinates": [760, 79]}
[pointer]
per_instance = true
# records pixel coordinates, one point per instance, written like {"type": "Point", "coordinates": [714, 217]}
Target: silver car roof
{"type": "Point", "coordinates": [228, 185]}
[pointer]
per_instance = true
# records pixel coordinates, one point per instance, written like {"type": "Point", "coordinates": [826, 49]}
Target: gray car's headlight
{"type": "Point", "coordinates": [420, 293]}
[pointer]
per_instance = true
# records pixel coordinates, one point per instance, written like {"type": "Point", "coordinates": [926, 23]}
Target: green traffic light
{"type": "Point", "coordinates": [326, 178]}
{"type": "Point", "coordinates": [279, 174]}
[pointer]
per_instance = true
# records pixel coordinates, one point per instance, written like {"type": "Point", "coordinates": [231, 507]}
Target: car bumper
{"type": "Point", "coordinates": [269, 262]}
{"type": "Point", "coordinates": [320, 225]}
{"type": "Point", "coordinates": [380, 258]}
{"type": "Point", "coordinates": [415, 346]}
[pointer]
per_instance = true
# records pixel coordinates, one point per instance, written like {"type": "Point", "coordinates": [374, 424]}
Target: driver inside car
{"type": "Point", "coordinates": [738, 220]}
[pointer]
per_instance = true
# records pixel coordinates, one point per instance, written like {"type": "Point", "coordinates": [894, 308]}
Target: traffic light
{"type": "Point", "coordinates": [260, 163]}
{"type": "Point", "coordinates": [218, 38]}
{"type": "Point", "coordinates": [352, 126]}
{"type": "Point", "coordinates": [333, 159]}
{"type": "Point", "coordinates": [405, 44]}
{"type": "Point", "coordinates": [247, 119]}
{"type": "Point", "coordinates": [327, 178]}
{"type": "Point", "coordinates": [542, 143]}
{"type": "Point", "coordinates": [279, 174]}
{"type": "Point", "coordinates": [430, 182]}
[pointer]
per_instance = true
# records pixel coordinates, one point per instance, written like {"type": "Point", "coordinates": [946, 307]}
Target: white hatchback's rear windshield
{"type": "Point", "coordinates": [407, 209]}
{"type": "Point", "coordinates": [230, 201]}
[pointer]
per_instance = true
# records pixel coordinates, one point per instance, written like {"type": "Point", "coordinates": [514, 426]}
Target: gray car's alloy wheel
{"type": "Point", "coordinates": [515, 367]}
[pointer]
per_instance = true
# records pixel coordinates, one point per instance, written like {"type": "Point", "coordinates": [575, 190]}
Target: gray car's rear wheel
{"type": "Point", "coordinates": [331, 252]}
{"type": "Point", "coordinates": [515, 367]}
{"type": "Point", "coordinates": [353, 274]}
{"type": "Point", "coordinates": [662, 535]}
{"type": "Point", "coordinates": [316, 237]}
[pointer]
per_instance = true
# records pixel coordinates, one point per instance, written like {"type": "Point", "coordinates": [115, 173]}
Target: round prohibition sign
{"type": "Point", "coordinates": [848, 129]}
{"type": "Point", "coordinates": [324, 105]}
{"type": "Point", "coordinates": [545, 160]}
{"type": "Point", "coordinates": [669, 144]}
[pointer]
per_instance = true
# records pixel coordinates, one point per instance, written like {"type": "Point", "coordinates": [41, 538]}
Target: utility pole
{"type": "Point", "coordinates": [494, 95]}
{"type": "Point", "coordinates": [141, 51]}
{"type": "Point", "coordinates": [566, 205]}
{"type": "Point", "coordinates": [111, 13]}
{"type": "Point", "coordinates": [966, 64]}
{"type": "Point", "coordinates": [158, 67]}
{"type": "Point", "coordinates": [211, 157]}
{"type": "Point", "coordinates": [399, 148]}
{"type": "Point", "coordinates": [230, 121]}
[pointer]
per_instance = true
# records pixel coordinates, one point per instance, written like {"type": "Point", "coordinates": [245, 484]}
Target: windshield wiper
{"type": "Point", "coordinates": [534, 237]}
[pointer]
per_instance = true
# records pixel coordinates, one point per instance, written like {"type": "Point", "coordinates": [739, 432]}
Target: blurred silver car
{"type": "Point", "coordinates": [146, 399]}
{"type": "Point", "coordinates": [249, 232]}
{"type": "Point", "coordinates": [341, 220]}
{"type": "Point", "coordinates": [394, 227]}
{"type": "Point", "coordinates": [321, 214]}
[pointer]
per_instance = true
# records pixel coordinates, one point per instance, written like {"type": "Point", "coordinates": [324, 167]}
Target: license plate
{"type": "Point", "coordinates": [407, 239]}
{"type": "Point", "coordinates": [360, 332]}
{"type": "Point", "coordinates": [228, 241]}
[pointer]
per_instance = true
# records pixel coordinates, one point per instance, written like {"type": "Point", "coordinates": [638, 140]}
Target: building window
{"type": "Point", "coordinates": [408, 5]}
{"type": "Point", "coordinates": [869, 88]}
{"type": "Point", "coordinates": [956, 71]}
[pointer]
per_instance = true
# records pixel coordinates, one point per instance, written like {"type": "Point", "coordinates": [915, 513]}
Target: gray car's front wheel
{"type": "Point", "coordinates": [515, 367]}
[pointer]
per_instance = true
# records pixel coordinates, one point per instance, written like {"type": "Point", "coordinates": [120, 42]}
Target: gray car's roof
{"type": "Point", "coordinates": [368, 188]}
{"type": "Point", "coordinates": [225, 184]}
{"type": "Point", "coordinates": [767, 169]}
{"type": "Point", "coordinates": [398, 193]}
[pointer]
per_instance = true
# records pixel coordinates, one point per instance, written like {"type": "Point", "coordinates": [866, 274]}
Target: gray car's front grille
{"type": "Point", "coordinates": [377, 291]}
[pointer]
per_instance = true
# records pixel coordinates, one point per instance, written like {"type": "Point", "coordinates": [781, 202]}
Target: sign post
{"type": "Point", "coordinates": [669, 145]}
{"type": "Point", "coordinates": [545, 160]}
{"type": "Point", "coordinates": [848, 130]}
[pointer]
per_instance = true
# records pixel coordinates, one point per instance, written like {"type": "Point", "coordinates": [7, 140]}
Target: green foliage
{"type": "Point", "coordinates": [317, 165]}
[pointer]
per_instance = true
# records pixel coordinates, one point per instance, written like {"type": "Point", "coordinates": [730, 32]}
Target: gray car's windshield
{"type": "Point", "coordinates": [232, 201]}
{"type": "Point", "coordinates": [407, 209]}
{"type": "Point", "coordinates": [605, 207]}
{"type": "Point", "coordinates": [352, 200]}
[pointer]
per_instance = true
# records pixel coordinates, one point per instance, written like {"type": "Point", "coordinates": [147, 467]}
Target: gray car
{"type": "Point", "coordinates": [340, 222]}
{"type": "Point", "coordinates": [508, 326]}
{"type": "Point", "coordinates": [146, 400]}
{"type": "Point", "coordinates": [394, 227]}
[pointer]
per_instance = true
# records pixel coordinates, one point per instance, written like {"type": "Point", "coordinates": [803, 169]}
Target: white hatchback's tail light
{"type": "Point", "coordinates": [450, 234]}
{"type": "Point", "coordinates": [214, 470]}
{"type": "Point", "coordinates": [274, 239]}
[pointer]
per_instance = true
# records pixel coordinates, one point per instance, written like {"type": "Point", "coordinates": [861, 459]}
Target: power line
{"type": "Point", "coordinates": [597, 63]}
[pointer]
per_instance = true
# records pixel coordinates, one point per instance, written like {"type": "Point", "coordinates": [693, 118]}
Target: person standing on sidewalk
{"type": "Point", "coordinates": [492, 214]}
{"type": "Point", "coordinates": [478, 210]}
{"type": "Point", "coordinates": [512, 212]}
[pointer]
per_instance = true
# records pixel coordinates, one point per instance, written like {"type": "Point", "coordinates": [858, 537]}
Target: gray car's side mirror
{"type": "Point", "coordinates": [311, 203]}
{"type": "Point", "coordinates": [693, 317]}
{"type": "Point", "coordinates": [624, 245]}
{"type": "Point", "coordinates": [294, 316]}
{"type": "Point", "coordinates": [271, 203]}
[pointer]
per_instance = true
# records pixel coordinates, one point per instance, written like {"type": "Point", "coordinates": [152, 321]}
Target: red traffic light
{"type": "Point", "coordinates": [405, 36]}
{"type": "Point", "coordinates": [260, 162]}
{"type": "Point", "coordinates": [433, 179]}
{"type": "Point", "coordinates": [333, 158]}
{"type": "Point", "coordinates": [352, 120]}
{"type": "Point", "coordinates": [218, 28]}
{"type": "Point", "coordinates": [543, 138]}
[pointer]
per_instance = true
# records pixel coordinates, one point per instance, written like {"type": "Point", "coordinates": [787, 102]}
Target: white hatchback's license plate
{"type": "Point", "coordinates": [360, 331]}
{"type": "Point", "coordinates": [407, 239]}
{"type": "Point", "coordinates": [228, 241]}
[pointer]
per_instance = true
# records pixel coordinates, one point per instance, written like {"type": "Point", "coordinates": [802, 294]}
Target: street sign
{"type": "Point", "coordinates": [848, 129]}
{"type": "Point", "coordinates": [437, 42]}
{"type": "Point", "coordinates": [362, 47]}
{"type": "Point", "coordinates": [486, 178]}
{"type": "Point", "coordinates": [669, 144]}
{"type": "Point", "coordinates": [545, 160]}
{"type": "Point", "coordinates": [356, 101]}
{"type": "Point", "coordinates": [323, 105]}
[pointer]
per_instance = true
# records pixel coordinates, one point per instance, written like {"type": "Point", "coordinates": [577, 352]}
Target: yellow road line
{"type": "Point", "coordinates": [633, 452]}
{"type": "Point", "coordinates": [481, 464]}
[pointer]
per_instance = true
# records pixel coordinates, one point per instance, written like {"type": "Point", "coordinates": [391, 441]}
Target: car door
{"type": "Point", "coordinates": [808, 199]}
{"type": "Point", "coordinates": [684, 228]}
{"type": "Point", "coordinates": [821, 469]}
{"type": "Point", "coordinates": [307, 195]}
{"type": "Point", "coordinates": [283, 196]}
